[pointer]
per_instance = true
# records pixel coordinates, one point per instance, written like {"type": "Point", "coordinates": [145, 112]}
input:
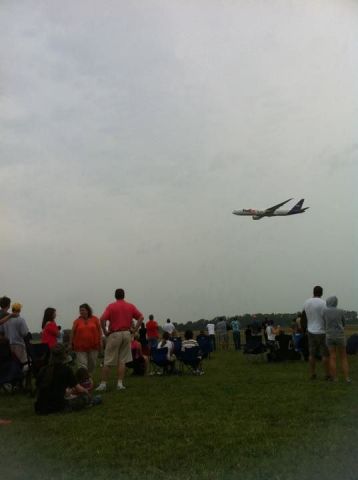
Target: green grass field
{"type": "Point", "coordinates": [241, 420]}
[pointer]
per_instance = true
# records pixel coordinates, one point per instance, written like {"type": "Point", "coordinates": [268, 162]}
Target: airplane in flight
{"type": "Point", "coordinates": [272, 211]}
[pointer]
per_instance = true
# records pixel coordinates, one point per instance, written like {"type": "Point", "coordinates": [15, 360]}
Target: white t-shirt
{"type": "Point", "coordinates": [314, 310]}
{"type": "Point", "coordinates": [169, 345]}
{"type": "Point", "coordinates": [211, 328]}
{"type": "Point", "coordinates": [270, 335]}
{"type": "Point", "coordinates": [169, 327]}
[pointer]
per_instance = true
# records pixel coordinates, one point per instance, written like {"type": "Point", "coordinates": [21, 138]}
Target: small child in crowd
{"type": "Point", "coordinates": [83, 379]}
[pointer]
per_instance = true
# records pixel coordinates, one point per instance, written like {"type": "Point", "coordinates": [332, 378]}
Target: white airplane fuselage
{"type": "Point", "coordinates": [258, 214]}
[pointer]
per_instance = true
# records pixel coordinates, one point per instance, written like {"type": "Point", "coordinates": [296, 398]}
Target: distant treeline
{"type": "Point", "coordinates": [282, 319]}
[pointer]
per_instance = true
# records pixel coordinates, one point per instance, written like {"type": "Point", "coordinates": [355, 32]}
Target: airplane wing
{"type": "Point", "coordinates": [269, 211]}
{"type": "Point", "coordinates": [275, 207]}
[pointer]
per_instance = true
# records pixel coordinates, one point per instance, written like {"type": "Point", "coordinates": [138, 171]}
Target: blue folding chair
{"type": "Point", "coordinates": [159, 357]}
{"type": "Point", "coordinates": [177, 347]}
{"type": "Point", "coordinates": [191, 359]}
{"type": "Point", "coordinates": [205, 345]}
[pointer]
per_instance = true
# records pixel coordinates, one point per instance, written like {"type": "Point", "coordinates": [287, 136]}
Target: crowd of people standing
{"type": "Point", "coordinates": [125, 340]}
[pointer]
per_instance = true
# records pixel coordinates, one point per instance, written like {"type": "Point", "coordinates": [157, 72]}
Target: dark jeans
{"type": "Point", "coordinates": [213, 342]}
{"type": "Point", "coordinates": [237, 340]}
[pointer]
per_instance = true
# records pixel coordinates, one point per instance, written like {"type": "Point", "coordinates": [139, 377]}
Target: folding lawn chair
{"type": "Point", "coordinates": [191, 359]}
{"type": "Point", "coordinates": [177, 347]}
{"type": "Point", "coordinates": [254, 348]}
{"type": "Point", "coordinates": [159, 358]}
{"type": "Point", "coordinates": [137, 364]}
{"type": "Point", "coordinates": [205, 345]}
{"type": "Point", "coordinates": [38, 356]}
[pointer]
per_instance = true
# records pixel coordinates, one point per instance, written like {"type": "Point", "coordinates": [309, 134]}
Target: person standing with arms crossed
{"type": "Point", "coordinates": [119, 316]}
{"type": "Point", "coordinates": [313, 315]}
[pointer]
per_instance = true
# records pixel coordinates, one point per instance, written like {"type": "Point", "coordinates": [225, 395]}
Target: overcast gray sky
{"type": "Point", "coordinates": [131, 130]}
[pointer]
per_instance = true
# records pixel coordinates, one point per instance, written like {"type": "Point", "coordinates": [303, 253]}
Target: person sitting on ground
{"type": "Point", "coordinates": [16, 331]}
{"type": "Point", "coordinates": [84, 379]}
{"type": "Point", "coordinates": [202, 336]}
{"type": "Point", "coordinates": [188, 343]}
{"type": "Point", "coordinates": [165, 342]}
{"type": "Point", "coordinates": [334, 323]}
{"type": "Point", "coordinates": [139, 361]}
{"type": "Point", "coordinates": [50, 330]}
{"type": "Point", "coordinates": [205, 344]}
{"type": "Point", "coordinates": [52, 382]}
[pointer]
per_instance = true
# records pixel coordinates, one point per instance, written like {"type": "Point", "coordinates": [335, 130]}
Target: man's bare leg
{"type": "Point", "coordinates": [344, 363]}
{"type": "Point", "coordinates": [103, 385]}
{"type": "Point", "coordinates": [332, 363]}
{"type": "Point", "coordinates": [312, 364]}
{"type": "Point", "coordinates": [121, 373]}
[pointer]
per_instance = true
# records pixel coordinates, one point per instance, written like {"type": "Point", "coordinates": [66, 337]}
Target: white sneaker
{"type": "Point", "coordinates": [120, 387]}
{"type": "Point", "coordinates": [102, 387]}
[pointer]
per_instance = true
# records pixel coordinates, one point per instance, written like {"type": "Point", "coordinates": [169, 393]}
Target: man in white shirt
{"type": "Point", "coordinates": [312, 312]}
{"type": "Point", "coordinates": [211, 332]}
{"type": "Point", "coordinates": [169, 327]}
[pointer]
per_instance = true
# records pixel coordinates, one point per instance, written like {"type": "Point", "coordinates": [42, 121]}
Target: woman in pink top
{"type": "Point", "coordinates": [50, 330]}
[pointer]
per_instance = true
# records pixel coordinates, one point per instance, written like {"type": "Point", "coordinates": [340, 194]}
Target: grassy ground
{"type": "Point", "coordinates": [241, 420]}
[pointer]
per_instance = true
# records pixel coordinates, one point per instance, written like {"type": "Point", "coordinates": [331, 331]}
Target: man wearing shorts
{"type": "Point", "coordinates": [116, 323]}
{"type": "Point", "coordinates": [313, 313]}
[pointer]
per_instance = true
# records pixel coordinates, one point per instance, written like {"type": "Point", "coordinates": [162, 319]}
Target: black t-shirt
{"type": "Point", "coordinates": [51, 394]}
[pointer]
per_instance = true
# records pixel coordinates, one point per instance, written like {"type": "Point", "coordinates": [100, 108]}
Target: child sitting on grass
{"type": "Point", "coordinates": [84, 380]}
{"type": "Point", "coordinates": [52, 382]}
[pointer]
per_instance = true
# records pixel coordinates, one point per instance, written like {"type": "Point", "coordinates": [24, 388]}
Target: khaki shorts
{"type": "Point", "coordinates": [317, 344]}
{"type": "Point", "coordinates": [336, 342]}
{"type": "Point", "coordinates": [118, 349]}
{"type": "Point", "coordinates": [87, 360]}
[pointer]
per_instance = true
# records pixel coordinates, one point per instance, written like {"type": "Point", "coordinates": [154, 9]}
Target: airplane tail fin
{"type": "Point", "coordinates": [297, 208]}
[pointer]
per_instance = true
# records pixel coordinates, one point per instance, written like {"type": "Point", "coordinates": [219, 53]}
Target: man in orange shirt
{"type": "Point", "coordinates": [152, 332]}
{"type": "Point", "coordinates": [116, 323]}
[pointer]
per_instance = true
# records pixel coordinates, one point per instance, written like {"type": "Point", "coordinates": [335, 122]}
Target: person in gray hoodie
{"type": "Point", "coordinates": [334, 323]}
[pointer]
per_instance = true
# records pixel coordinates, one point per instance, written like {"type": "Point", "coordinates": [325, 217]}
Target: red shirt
{"type": "Point", "coordinates": [120, 315]}
{"type": "Point", "coordinates": [136, 348]}
{"type": "Point", "coordinates": [152, 329]}
{"type": "Point", "coordinates": [49, 334]}
{"type": "Point", "coordinates": [86, 334]}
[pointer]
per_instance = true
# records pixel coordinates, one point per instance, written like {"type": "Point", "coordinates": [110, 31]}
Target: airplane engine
{"type": "Point", "coordinates": [255, 217]}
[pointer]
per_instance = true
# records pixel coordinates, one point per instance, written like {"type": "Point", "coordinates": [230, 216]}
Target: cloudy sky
{"type": "Point", "coordinates": [129, 131]}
